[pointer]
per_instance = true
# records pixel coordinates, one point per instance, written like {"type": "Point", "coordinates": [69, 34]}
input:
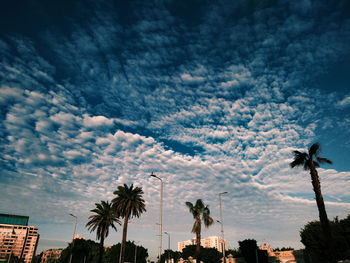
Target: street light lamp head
{"type": "Point", "coordinates": [223, 193]}
{"type": "Point", "coordinates": [72, 215]}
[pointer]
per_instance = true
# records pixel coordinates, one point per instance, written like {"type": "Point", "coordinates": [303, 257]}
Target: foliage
{"type": "Point", "coordinates": [128, 203]}
{"type": "Point", "coordinates": [315, 244]}
{"type": "Point", "coordinates": [168, 253]}
{"type": "Point", "coordinates": [83, 251]}
{"type": "Point", "coordinates": [189, 251]}
{"type": "Point", "coordinates": [112, 253]}
{"type": "Point", "coordinates": [103, 218]}
{"type": "Point", "coordinates": [200, 212]}
{"type": "Point", "coordinates": [210, 255]}
{"type": "Point", "coordinates": [207, 255]}
{"type": "Point", "coordinates": [248, 248]}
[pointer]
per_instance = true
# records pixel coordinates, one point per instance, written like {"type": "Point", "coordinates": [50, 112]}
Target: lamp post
{"type": "Point", "coordinates": [75, 228]}
{"type": "Point", "coordinates": [135, 260]}
{"type": "Point", "coordinates": [160, 215]}
{"type": "Point", "coordinates": [222, 227]}
{"type": "Point", "coordinates": [168, 246]}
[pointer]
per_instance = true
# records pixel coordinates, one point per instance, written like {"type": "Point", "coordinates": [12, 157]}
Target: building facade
{"type": "Point", "coordinates": [209, 242]}
{"type": "Point", "coordinates": [51, 255]}
{"type": "Point", "coordinates": [17, 238]}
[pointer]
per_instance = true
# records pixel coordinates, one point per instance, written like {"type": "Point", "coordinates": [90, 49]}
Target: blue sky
{"type": "Point", "coordinates": [210, 95]}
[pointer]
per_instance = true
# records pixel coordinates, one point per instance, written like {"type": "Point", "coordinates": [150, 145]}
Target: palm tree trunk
{"type": "Point", "coordinates": [198, 242]}
{"type": "Point", "coordinates": [101, 249]}
{"type": "Point", "coordinates": [326, 228]}
{"type": "Point", "coordinates": [125, 229]}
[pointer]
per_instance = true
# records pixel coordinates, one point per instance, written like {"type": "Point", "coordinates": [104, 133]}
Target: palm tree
{"type": "Point", "coordinates": [128, 203]}
{"type": "Point", "coordinates": [310, 161]}
{"type": "Point", "coordinates": [200, 212]}
{"type": "Point", "coordinates": [103, 218]}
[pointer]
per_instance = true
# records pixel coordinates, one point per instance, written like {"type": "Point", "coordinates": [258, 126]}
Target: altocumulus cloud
{"type": "Point", "coordinates": [211, 100]}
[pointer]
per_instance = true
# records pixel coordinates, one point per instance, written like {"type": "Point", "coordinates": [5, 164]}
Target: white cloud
{"type": "Point", "coordinates": [344, 102]}
{"type": "Point", "coordinates": [96, 121]}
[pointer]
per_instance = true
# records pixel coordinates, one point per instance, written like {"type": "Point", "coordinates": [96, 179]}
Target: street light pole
{"type": "Point", "coordinates": [135, 260]}
{"type": "Point", "coordinates": [160, 215]}
{"type": "Point", "coordinates": [75, 228]}
{"type": "Point", "coordinates": [222, 227]}
{"type": "Point", "coordinates": [168, 246]}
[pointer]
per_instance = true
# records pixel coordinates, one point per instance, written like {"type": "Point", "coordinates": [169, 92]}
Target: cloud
{"type": "Point", "coordinates": [344, 102]}
{"type": "Point", "coordinates": [208, 104]}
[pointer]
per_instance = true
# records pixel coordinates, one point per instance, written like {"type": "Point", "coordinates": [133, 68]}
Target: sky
{"type": "Point", "coordinates": [211, 96]}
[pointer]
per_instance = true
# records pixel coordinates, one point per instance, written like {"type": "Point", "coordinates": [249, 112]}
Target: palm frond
{"type": "Point", "coordinates": [199, 204]}
{"type": "Point", "coordinates": [208, 220]}
{"type": "Point", "coordinates": [129, 201]}
{"type": "Point", "coordinates": [299, 159]}
{"type": "Point", "coordinates": [314, 150]}
{"type": "Point", "coordinates": [103, 218]}
{"type": "Point", "coordinates": [324, 160]}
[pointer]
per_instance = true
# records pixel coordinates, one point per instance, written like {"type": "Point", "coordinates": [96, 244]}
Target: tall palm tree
{"type": "Point", "coordinates": [310, 161]}
{"type": "Point", "coordinates": [200, 212]}
{"type": "Point", "coordinates": [128, 203]}
{"type": "Point", "coordinates": [103, 218]}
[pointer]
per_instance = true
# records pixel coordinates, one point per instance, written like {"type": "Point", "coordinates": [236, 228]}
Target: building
{"type": "Point", "coordinates": [209, 242]}
{"type": "Point", "coordinates": [51, 255]}
{"type": "Point", "coordinates": [286, 256]}
{"type": "Point", "coordinates": [17, 238]}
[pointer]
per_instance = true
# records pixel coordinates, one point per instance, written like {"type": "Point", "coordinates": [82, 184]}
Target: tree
{"type": "Point", "coordinates": [200, 212]}
{"type": "Point", "coordinates": [170, 254]}
{"type": "Point", "coordinates": [314, 241]}
{"type": "Point", "coordinates": [207, 255]}
{"type": "Point", "coordinates": [211, 255]}
{"type": "Point", "coordinates": [83, 251]}
{"type": "Point", "coordinates": [103, 218]}
{"type": "Point", "coordinates": [249, 250]}
{"type": "Point", "coordinates": [113, 252]}
{"type": "Point", "coordinates": [310, 161]}
{"type": "Point", "coordinates": [128, 204]}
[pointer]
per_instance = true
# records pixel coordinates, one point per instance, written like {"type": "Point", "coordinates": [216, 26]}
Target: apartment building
{"type": "Point", "coordinates": [209, 242]}
{"type": "Point", "coordinates": [17, 238]}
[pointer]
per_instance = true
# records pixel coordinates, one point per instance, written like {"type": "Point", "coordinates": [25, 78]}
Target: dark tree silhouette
{"type": "Point", "coordinates": [310, 161]}
{"type": "Point", "coordinates": [128, 204]}
{"type": "Point", "coordinates": [200, 212]}
{"type": "Point", "coordinates": [103, 218]}
{"type": "Point", "coordinates": [249, 250]}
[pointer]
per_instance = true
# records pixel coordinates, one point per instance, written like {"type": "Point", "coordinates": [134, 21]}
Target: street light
{"type": "Point", "coordinates": [222, 227]}
{"type": "Point", "coordinates": [160, 215]}
{"type": "Point", "coordinates": [136, 251]}
{"type": "Point", "coordinates": [168, 246]}
{"type": "Point", "coordinates": [75, 228]}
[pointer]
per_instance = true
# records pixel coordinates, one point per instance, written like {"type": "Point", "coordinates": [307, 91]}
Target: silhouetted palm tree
{"type": "Point", "coordinates": [103, 218]}
{"type": "Point", "coordinates": [200, 212]}
{"type": "Point", "coordinates": [127, 204]}
{"type": "Point", "coordinates": [310, 161]}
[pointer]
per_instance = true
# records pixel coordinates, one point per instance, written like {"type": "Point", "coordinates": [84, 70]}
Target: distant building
{"type": "Point", "coordinates": [17, 238]}
{"type": "Point", "coordinates": [51, 255]}
{"type": "Point", "coordinates": [290, 256]}
{"type": "Point", "coordinates": [209, 242]}
{"type": "Point", "coordinates": [78, 237]}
